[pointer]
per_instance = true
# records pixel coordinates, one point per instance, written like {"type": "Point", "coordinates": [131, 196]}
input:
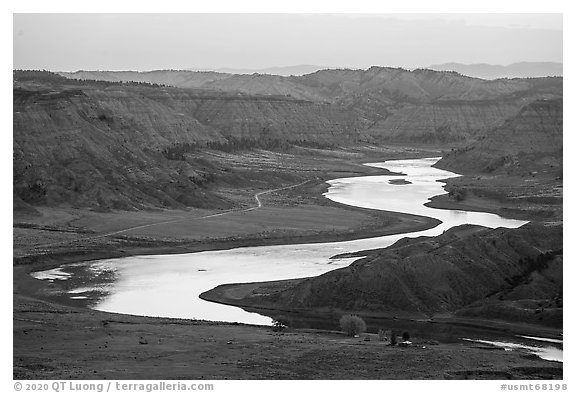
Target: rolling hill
{"type": "Point", "coordinates": [531, 141]}
{"type": "Point", "coordinates": [471, 271]}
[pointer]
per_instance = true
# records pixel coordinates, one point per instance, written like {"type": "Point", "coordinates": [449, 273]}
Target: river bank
{"type": "Point", "coordinates": [409, 286]}
{"type": "Point", "coordinates": [58, 342]}
{"type": "Point", "coordinates": [40, 324]}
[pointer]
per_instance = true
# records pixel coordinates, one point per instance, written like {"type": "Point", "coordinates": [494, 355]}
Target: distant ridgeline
{"type": "Point", "coordinates": [125, 140]}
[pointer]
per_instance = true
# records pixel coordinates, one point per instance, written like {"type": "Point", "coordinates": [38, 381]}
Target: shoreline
{"type": "Point", "coordinates": [220, 244]}
{"type": "Point", "coordinates": [59, 342]}
{"type": "Point", "coordinates": [26, 285]}
{"type": "Point", "coordinates": [51, 338]}
{"type": "Point", "coordinates": [222, 295]}
{"type": "Point", "coordinates": [23, 266]}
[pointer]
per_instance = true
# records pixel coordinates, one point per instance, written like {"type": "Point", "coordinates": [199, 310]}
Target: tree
{"type": "Point", "coordinates": [352, 325]}
{"type": "Point", "coordinates": [458, 193]}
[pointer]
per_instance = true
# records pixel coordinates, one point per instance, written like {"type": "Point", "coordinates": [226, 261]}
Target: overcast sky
{"type": "Point", "coordinates": [70, 42]}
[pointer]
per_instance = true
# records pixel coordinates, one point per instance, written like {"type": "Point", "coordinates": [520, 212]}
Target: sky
{"type": "Point", "coordinates": [90, 41]}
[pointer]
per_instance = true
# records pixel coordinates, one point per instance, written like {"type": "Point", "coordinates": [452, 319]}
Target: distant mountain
{"type": "Point", "coordinates": [481, 70]}
{"type": "Point", "coordinates": [283, 71]}
{"type": "Point", "coordinates": [515, 70]}
{"type": "Point", "coordinates": [183, 79]}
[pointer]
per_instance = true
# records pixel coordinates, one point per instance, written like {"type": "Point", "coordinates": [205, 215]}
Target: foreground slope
{"type": "Point", "coordinates": [81, 344]}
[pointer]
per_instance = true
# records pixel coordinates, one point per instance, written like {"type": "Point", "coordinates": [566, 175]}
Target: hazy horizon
{"type": "Point", "coordinates": [143, 42]}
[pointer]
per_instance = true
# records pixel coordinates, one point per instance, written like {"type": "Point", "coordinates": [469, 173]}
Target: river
{"type": "Point", "coordinates": [169, 285]}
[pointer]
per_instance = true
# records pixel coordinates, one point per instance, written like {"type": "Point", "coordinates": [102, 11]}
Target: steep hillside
{"type": "Point", "coordinates": [267, 85]}
{"type": "Point", "coordinates": [400, 105]}
{"type": "Point", "coordinates": [396, 84]}
{"type": "Point", "coordinates": [111, 145]}
{"type": "Point", "coordinates": [515, 274]}
{"type": "Point", "coordinates": [530, 141]}
{"type": "Point", "coordinates": [443, 121]}
{"type": "Point", "coordinates": [515, 169]}
{"type": "Point", "coordinates": [131, 144]}
{"type": "Point", "coordinates": [429, 106]}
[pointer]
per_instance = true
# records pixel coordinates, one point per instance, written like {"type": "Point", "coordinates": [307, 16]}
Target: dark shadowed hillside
{"type": "Point", "coordinates": [514, 169]}
{"type": "Point", "coordinates": [510, 274]}
{"type": "Point", "coordinates": [131, 145]}
{"type": "Point", "coordinates": [128, 141]}
{"type": "Point", "coordinates": [530, 141]}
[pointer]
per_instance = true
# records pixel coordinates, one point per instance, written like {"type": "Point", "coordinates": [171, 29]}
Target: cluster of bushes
{"type": "Point", "coordinates": [353, 325]}
{"type": "Point", "coordinates": [37, 75]}
{"type": "Point", "coordinates": [31, 193]}
{"type": "Point", "coordinates": [280, 323]}
{"type": "Point", "coordinates": [458, 194]}
{"type": "Point", "coordinates": [178, 151]}
{"type": "Point", "coordinates": [495, 164]}
{"type": "Point", "coordinates": [48, 76]}
{"type": "Point", "coordinates": [243, 143]}
{"type": "Point", "coordinates": [531, 264]}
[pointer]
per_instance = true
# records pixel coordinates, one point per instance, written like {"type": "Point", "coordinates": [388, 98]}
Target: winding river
{"type": "Point", "coordinates": [169, 285]}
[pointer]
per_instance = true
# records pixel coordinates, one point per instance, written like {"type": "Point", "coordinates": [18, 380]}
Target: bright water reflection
{"type": "Point", "coordinates": [169, 285]}
{"type": "Point", "coordinates": [546, 352]}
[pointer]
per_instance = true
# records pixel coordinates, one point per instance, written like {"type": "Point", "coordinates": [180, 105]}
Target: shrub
{"type": "Point", "coordinates": [279, 323]}
{"type": "Point", "coordinates": [458, 193]}
{"type": "Point", "coordinates": [381, 335]}
{"type": "Point", "coordinates": [393, 339]}
{"type": "Point", "coordinates": [405, 336]}
{"type": "Point", "coordinates": [352, 325]}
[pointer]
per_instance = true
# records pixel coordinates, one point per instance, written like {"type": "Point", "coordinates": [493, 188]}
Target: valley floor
{"type": "Point", "coordinates": [58, 341]}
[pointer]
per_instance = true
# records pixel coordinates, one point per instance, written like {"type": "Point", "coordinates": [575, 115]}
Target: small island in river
{"type": "Point", "coordinates": [399, 182]}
